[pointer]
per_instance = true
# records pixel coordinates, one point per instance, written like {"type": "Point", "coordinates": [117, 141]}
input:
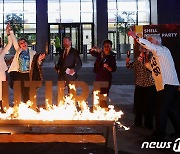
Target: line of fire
{"type": "Point", "coordinates": [71, 106]}
{"type": "Point", "coordinates": [72, 110]}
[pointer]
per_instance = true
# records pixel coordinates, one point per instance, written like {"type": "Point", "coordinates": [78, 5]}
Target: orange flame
{"type": "Point", "coordinates": [68, 110]}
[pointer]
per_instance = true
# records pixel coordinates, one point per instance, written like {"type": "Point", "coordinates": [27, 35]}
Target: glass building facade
{"type": "Point", "coordinates": [124, 13]}
{"type": "Point", "coordinates": [22, 14]}
{"type": "Point", "coordinates": [74, 18]}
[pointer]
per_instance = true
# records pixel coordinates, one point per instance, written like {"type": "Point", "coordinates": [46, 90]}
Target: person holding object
{"type": "Point", "coordinates": [104, 65]}
{"type": "Point", "coordinates": [145, 91]}
{"type": "Point", "coordinates": [26, 65]}
{"type": "Point", "coordinates": [3, 66]}
{"type": "Point", "coordinates": [167, 83]}
{"type": "Point", "coordinates": [69, 62]}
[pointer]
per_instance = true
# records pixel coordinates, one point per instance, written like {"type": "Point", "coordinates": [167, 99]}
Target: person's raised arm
{"type": "Point", "coordinates": [8, 46]}
{"type": "Point", "coordinates": [146, 44]}
{"type": "Point", "coordinates": [95, 51]}
{"type": "Point", "coordinates": [14, 41]}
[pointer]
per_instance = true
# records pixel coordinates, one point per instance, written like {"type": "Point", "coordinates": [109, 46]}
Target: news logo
{"type": "Point", "coordinates": [162, 145]}
{"type": "Point", "coordinates": [176, 146]}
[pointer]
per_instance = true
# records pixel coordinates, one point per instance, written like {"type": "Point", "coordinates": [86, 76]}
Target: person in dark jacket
{"type": "Point", "coordinates": [145, 91]}
{"type": "Point", "coordinates": [69, 62]}
{"type": "Point", "coordinates": [104, 65]}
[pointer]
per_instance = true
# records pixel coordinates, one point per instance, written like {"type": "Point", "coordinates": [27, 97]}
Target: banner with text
{"type": "Point", "coordinates": [170, 34]}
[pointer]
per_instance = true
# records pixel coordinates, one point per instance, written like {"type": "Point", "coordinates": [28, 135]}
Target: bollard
{"type": "Point", "coordinates": [51, 51]}
{"type": "Point", "coordinates": [118, 51]}
{"type": "Point", "coordinates": [85, 52]}
{"type": "Point", "coordinates": [34, 47]}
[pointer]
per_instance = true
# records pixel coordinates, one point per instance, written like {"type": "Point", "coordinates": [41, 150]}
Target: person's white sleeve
{"type": "Point", "coordinates": [8, 46]}
{"type": "Point", "coordinates": [150, 46]}
{"type": "Point", "coordinates": [14, 40]}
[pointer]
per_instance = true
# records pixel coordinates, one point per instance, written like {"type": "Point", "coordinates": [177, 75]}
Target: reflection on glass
{"type": "Point", "coordinates": [70, 11]}
{"type": "Point", "coordinates": [54, 14]}
{"type": "Point", "coordinates": [86, 17]}
{"type": "Point", "coordinates": [125, 11]}
{"type": "Point", "coordinates": [86, 6]}
{"type": "Point", "coordinates": [1, 12]}
{"type": "Point", "coordinates": [143, 12]}
{"type": "Point", "coordinates": [30, 11]}
{"type": "Point", "coordinates": [74, 37]}
{"type": "Point", "coordinates": [112, 5]}
{"type": "Point", "coordinates": [67, 31]}
{"type": "Point", "coordinates": [54, 31]}
{"type": "Point", "coordinates": [13, 7]}
{"type": "Point", "coordinates": [112, 16]}
{"type": "Point", "coordinates": [29, 28]}
{"type": "Point", "coordinates": [123, 7]}
{"type": "Point", "coordinates": [30, 18]}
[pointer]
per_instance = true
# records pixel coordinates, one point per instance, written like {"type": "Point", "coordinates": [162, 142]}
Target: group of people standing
{"type": "Point", "coordinates": [156, 77]}
{"type": "Point", "coordinates": [156, 87]}
{"type": "Point", "coordinates": [26, 64]}
{"type": "Point", "coordinates": [69, 64]}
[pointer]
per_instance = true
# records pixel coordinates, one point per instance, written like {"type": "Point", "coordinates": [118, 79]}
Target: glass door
{"type": "Point", "coordinates": [75, 38]}
{"type": "Point", "coordinates": [71, 30]}
{"type": "Point", "coordinates": [53, 33]}
{"type": "Point", "coordinates": [81, 34]}
{"type": "Point", "coordinates": [112, 37]}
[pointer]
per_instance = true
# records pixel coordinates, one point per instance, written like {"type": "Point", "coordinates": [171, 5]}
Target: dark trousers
{"type": "Point", "coordinates": [13, 77]}
{"type": "Point", "coordinates": [166, 108]}
{"type": "Point", "coordinates": [67, 79]}
{"type": "Point", "coordinates": [24, 90]}
{"type": "Point", "coordinates": [106, 90]}
{"type": "Point", "coordinates": [144, 100]}
{"type": "Point", "coordinates": [103, 103]}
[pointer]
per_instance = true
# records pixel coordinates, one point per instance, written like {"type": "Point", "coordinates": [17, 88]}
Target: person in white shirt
{"type": "Point", "coordinates": [167, 83]}
{"type": "Point", "coordinates": [26, 65]}
{"type": "Point", "coordinates": [3, 66]}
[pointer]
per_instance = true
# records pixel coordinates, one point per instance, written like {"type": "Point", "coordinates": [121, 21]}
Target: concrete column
{"type": "Point", "coordinates": [41, 25]}
{"type": "Point", "coordinates": [153, 8]}
{"type": "Point", "coordinates": [168, 11]}
{"type": "Point", "coordinates": [100, 21]}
